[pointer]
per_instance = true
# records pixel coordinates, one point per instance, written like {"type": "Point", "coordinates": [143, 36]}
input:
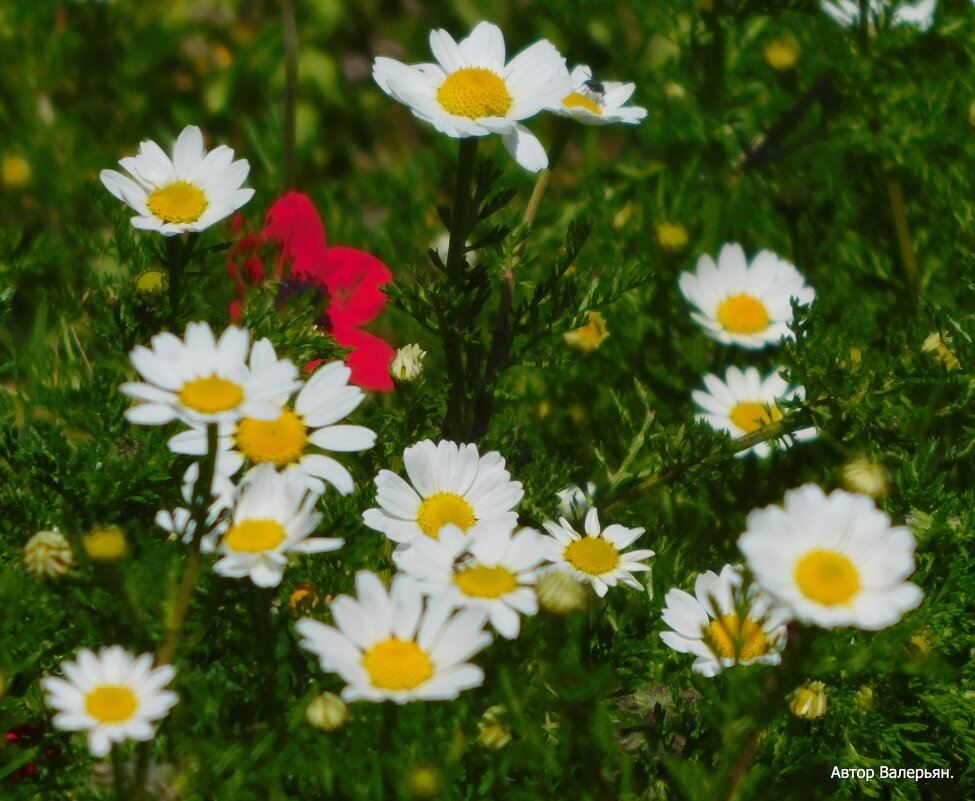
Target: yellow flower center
{"type": "Point", "coordinates": [211, 395]}
{"type": "Point", "coordinates": [579, 100]}
{"type": "Point", "coordinates": [396, 664]}
{"type": "Point", "coordinates": [442, 508]}
{"type": "Point", "coordinates": [731, 639]}
{"type": "Point", "coordinates": [827, 577]}
{"type": "Point", "coordinates": [281, 441]}
{"type": "Point", "coordinates": [593, 555]}
{"type": "Point", "coordinates": [180, 202]}
{"type": "Point", "coordinates": [111, 703]}
{"type": "Point", "coordinates": [474, 92]}
{"type": "Point", "coordinates": [749, 416]}
{"type": "Point", "coordinates": [255, 536]}
{"type": "Point", "coordinates": [743, 314]}
{"type": "Point", "coordinates": [486, 582]}
{"type": "Point", "coordinates": [106, 545]}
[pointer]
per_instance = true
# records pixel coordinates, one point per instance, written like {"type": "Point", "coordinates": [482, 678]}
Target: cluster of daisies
{"type": "Point", "coordinates": [269, 440]}
{"type": "Point", "coordinates": [462, 562]}
{"type": "Point", "coordinates": [824, 560]}
{"type": "Point", "coordinates": [473, 90]}
{"type": "Point", "coordinates": [748, 304]}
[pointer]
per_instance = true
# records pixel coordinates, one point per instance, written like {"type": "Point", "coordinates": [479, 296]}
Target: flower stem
{"type": "Point", "coordinates": [174, 267]}
{"type": "Point", "coordinates": [451, 329]}
{"type": "Point", "coordinates": [898, 210]}
{"type": "Point", "coordinates": [202, 498]}
{"type": "Point", "coordinates": [766, 433]}
{"type": "Point", "coordinates": [290, 35]}
{"type": "Point", "coordinates": [563, 131]}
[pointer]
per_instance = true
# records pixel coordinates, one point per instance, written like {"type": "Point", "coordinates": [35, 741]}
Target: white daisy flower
{"type": "Point", "coordinates": [491, 569]}
{"type": "Point", "coordinates": [294, 440]}
{"type": "Point", "coordinates": [724, 623]}
{"type": "Point", "coordinates": [597, 557]}
{"type": "Point", "coordinates": [390, 646]}
{"type": "Point", "coordinates": [202, 380]}
{"type": "Point", "coordinates": [189, 192]}
{"type": "Point", "coordinates": [271, 519]}
{"type": "Point", "coordinates": [112, 695]}
{"type": "Point", "coordinates": [918, 15]}
{"type": "Point", "coordinates": [594, 102]}
{"type": "Point", "coordinates": [745, 304]}
{"type": "Point", "coordinates": [471, 91]}
{"type": "Point", "coordinates": [744, 402]}
{"type": "Point", "coordinates": [450, 484]}
{"type": "Point", "coordinates": [832, 560]}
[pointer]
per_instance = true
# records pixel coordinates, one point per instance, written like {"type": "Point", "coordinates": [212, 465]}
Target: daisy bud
{"type": "Point", "coordinates": [781, 54]}
{"type": "Point", "coordinates": [865, 697]}
{"type": "Point", "coordinates": [327, 712]}
{"type": "Point", "coordinates": [407, 364]}
{"type": "Point", "coordinates": [589, 336]}
{"type": "Point", "coordinates": [15, 171]}
{"type": "Point", "coordinates": [48, 555]}
{"type": "Point", "coordinates": [106, 544]}
{"type": "Point", "coordinates": [424, 781]}
{"type": "Point", "coordinates": [560, 593]}
{"type": "Point", "coordinates": [151, 282]}
{"type": "Point", "coordinates": [866, 477]}
{"type": "Point", "coordinates": [492, 735]}
{"type": "Point", "coordinates": [809, 700]}
{"type": "Point", "coordinates": [672, 236]}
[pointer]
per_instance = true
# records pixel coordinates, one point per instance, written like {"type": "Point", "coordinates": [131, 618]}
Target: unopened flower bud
{"type": "Point", "coordinates": [407, 364]}
{"type": "Point", "coordinates": [672, 236]}
{"type": "Point", "coordinates": [559, 592]}
{"type": "Point", "coordinates": [106, 544]}
{"type": "Point", "coordinates": [48, 555]}
{"type": "Point", "coordinates": [589, 336]}
{"type": "Point", "coordinates": [809, 700]}
{"type": "Point", "coordinates": [424, 781]}
{"type": "Point", "coordinates": [866, 477]}
{"type": "Point", "coordinates": [15, 171]}
{"type": "Point", "coordinates": [327, 712]}
{"type": "Point", "coordinates": [781, 54]}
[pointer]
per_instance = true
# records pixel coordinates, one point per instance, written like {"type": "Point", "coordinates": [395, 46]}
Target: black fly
{"type": "Point", "coordinates": [594, 86]}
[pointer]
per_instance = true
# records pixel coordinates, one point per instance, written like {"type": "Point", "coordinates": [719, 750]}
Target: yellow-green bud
{"type": "Point", "coordinates": [327, 712]}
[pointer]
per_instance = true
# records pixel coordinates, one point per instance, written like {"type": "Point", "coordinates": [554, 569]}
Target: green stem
{"type": "Point", "coordinates": [451, 329]}
{"type": "Point", "coordinates": [118, 767]}
{"type": "Point", "coordinates": [563, 132]}
{"type": "Point", "coordinates": [764, 434]}
{"type": "Point", "coordinates": [290, 35]}
{"type": "Point", "coordinates": [898, 210]}
{"type": "Point", "coordinates": [174, 266]}
{"type": "Point", "coordinates": [460, 219]}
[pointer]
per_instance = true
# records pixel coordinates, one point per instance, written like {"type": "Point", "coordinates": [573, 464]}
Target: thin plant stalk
{"type": "Point", "coordinates": [290, 35]}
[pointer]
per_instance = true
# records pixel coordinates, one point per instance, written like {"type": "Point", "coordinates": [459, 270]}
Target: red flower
{"type": "Point", "coordinates": [347, 279]}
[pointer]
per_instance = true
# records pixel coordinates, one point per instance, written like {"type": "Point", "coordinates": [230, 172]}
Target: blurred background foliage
{"type": "Point", "coordinates": [768, 125]}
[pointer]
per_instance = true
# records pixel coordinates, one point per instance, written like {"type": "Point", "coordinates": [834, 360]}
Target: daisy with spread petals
{"type": "Point", "coordinates": [832, 560]}
{"type": "Point", "coordinates": [112, 695]}
{"type": "Point", "coordinates": [186, 193]}
{"type": "Point", "coordinates": [473, 91]}
{"type": "Point", "coordinates": [598, 557]}
{"type": "Point", "coordinates": [492, 569]}
{"type": "Point", "coordinates": [450, 484]}
{"type": "Point", "coordinates": [202, 380]}
{"type": "Point", "coordinates": [390, 646]}
{"type": "Point", "coordinates": [742, 303]}
{"type": "Point", "coordinates": [594, 102]}
{"type": "Point", "coordinates": [724, 623]}
{"type": "Point", "coordinates": [744, 402]}
{"type": "Point", "coordinates": [918, 15]}
{"type": "Point", "coordinates": [271, 519]}
{"type": "Point", "coordinates": [294, 440]}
